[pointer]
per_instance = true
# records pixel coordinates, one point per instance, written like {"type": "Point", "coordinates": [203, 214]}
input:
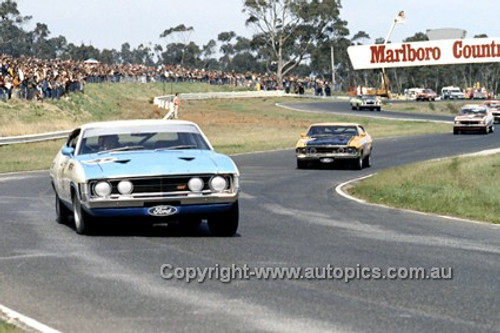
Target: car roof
{"type": "Point", "coordinates": [335, 124]}
{"type": "Point", "coordinates": [135, 122]}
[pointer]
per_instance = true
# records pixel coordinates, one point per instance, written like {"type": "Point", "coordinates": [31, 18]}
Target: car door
{"type": "Point", "coordinates": [65, 167]}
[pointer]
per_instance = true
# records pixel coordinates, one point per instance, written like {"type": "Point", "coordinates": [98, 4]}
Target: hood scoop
{"type": "Point", "coordinates": [122, 161]}
{"type": "Point", "coordinates": [187, 159]}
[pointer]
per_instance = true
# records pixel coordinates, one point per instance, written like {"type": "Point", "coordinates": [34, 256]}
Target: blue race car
{"type": "Point", "coordinates": [163, 169]}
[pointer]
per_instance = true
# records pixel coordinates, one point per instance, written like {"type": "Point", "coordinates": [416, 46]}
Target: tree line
{"type": "Point", "coordinates": [293, 38]}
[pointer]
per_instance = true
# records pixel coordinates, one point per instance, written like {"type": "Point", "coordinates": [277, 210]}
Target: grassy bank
{"type": "Point", "coordinates": [8, 328]}
{"type": "Point", "coordinates": [445, 108]}
{"type": "Point", "coordinates": [232, 125]}
{"type": "Point", "coordinates": [466, 187]}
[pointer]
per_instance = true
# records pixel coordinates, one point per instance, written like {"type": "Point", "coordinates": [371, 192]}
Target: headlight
{"type": "Point", "coordinates": [218, 183]}
{"type": "Point", "coordinates": [195, 184]}
{"type": "Point", "coordinates": [102, 189]}
{"type": "Point", "coordinates": [125, 187]}
{"type": "Point", "coordinates": [352, 150]}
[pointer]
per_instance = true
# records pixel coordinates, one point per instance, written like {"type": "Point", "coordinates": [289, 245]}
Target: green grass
{"type": "Point", "coordinates": [436, 108]}
{"type": "Point", "coordinates": [467, 187]}
{"type": "Point", "coordinates": [8, 328]}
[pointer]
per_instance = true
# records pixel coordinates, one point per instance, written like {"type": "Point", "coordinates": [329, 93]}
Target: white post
{"type": "Point", "coordinates": [333, 66]}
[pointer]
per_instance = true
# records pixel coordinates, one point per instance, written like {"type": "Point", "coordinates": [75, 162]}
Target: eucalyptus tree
{"type": "Point", "coordinates": [290, 29]}
{"type": "Point", "coordinates": [13, 39]}
{"type": "Point", "coordinates": [180, 35]}
{"type": "Point", "coordinates": [226, 48]}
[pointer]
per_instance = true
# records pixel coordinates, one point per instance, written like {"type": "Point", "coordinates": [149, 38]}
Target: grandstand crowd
{"type": "Point", "coordinates": [31, 78]}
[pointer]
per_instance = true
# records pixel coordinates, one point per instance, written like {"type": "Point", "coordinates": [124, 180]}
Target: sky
{"type": "Point", "coordinates": [110, 23]}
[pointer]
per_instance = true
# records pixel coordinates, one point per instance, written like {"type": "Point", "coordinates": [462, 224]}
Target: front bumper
{"type": "Point", "coordinates": [180, 210]}
{"type": "Point", "coordinates": [469, 127]}
{"type": "Point", "coordinates": [302, 155]}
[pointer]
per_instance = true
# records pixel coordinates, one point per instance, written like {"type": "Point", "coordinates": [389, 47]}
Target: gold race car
{"type": "Point", "coordinates": [329, 142]}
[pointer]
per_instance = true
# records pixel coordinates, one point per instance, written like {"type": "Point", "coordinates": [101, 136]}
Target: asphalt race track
{"type": "Point", "coordinates": [111, 282]}
{"type": "Point", "coordinates": [344, 108]}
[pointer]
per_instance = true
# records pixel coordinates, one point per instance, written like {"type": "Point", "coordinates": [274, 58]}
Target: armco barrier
{"type": "Point", "coordinates": [33, 138]}
{"type": "Point", "coordinates": [163, 102]}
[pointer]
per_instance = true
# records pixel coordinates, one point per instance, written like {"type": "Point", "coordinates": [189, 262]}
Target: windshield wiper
{"type": "Point", "coordinates": [121, 149]}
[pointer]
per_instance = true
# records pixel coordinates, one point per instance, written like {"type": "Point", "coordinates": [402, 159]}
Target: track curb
{"type": "Point", "coordinates": [340, 190]}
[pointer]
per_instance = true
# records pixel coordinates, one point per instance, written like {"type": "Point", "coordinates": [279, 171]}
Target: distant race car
{"type": "Point", "coordinates": [451, 92]}
{"type": "Point", "coordinates": [165, 170]}
{"type": "Point", "coordinates": [426, 95]}
{"type": "Point", "coordinates": [370, 102]}
{"type": "Point", "coordinates": [494, 106]}
{"type": "Point", "coordinates": [329, 142]}
{"type": "Point", "coordinates": [474, 117]}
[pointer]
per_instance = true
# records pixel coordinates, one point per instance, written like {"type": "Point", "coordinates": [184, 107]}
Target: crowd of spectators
{"type": "Point", "coordinates": [31, 78]}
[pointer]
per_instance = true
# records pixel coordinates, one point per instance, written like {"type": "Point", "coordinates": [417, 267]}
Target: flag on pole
{"type": "Point", "coordinates": [401, 18]}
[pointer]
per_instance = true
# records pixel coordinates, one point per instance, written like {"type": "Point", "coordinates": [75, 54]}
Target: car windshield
{"type": "Point", "coordinates": [494, 106]}
{"type": "Point", "coordinates": [127, 139]}
{"type": "Point", "coordinates": [478, 112]}
{"type": "Point", "coordinates": [323, 131]}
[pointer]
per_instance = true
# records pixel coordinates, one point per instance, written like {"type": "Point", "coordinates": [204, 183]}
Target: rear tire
{"type": "Point", "coordinates": [62, 212]}
{"type": "Point", "coordinates": [225, 224]}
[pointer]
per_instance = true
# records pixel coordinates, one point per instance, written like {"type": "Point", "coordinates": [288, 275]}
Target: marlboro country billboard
{"type": "Point", "coordinates": [438, 52]}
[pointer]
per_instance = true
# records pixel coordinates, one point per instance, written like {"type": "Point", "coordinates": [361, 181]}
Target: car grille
{"type": "Point", "coordinates": [329, 149]}
{"type": "Point", "coordinates": [164, 185]}
{"type": "Point", "coordinates": [161, 184]}
{"type": "Point", "coordinates": [469, 122]}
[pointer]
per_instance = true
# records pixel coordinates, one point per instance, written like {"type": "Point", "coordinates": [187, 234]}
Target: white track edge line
{"type": "Point", "coordinates": [23, 322]}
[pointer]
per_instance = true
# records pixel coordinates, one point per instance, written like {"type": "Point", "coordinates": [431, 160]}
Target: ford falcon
{"type": "Point", "coordinates": [329, 142]}
{"type": "Point", "coordinates": [164, 170]}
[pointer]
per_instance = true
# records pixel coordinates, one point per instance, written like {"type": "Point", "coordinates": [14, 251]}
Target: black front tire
{"type": "Point", "coordinates": [367, 162]}
{"type": "Point", "coordinates": [225, 224]}
{"type": "Point", "coordinates": [301, 164]}
{"type": "Point", "coordinates": [358, 163]}
{"type": "Point", "coordinates": [84, 224]}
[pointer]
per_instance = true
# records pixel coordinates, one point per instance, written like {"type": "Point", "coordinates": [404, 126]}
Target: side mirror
{"type": "Point", "coordinates": [303, 135]}
{"type": "Point", "coordinates": [363, 134]}
{"type": "Point", "coordinates": [68, 151]}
